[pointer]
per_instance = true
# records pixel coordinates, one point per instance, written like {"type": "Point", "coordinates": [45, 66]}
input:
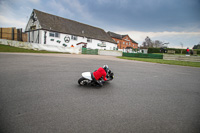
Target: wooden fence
{"type": "Point", "coordinates": [13, 34]}
{"type": "Point", "coordinates": [181, 58]}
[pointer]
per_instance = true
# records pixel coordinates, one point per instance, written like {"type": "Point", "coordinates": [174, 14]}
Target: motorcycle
{"type": "Point", "coordinates": [86, 78]}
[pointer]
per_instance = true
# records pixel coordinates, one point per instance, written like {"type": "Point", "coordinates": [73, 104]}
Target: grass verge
{"type": "Point", "coordinates": [161, 61]}
{"type": "Point", "coordinates": [6, 48]}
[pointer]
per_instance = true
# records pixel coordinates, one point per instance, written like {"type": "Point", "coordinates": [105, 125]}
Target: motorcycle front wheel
{"type": "Point", "coordinates": [83, 81]}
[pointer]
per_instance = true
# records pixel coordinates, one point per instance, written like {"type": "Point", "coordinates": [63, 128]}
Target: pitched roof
{"type": "Point", "coordinates": [118, 36]}
{"type": "Point", "coordinates": [63, 25]}
{"type": "Point", "coordinates": [114, 35]}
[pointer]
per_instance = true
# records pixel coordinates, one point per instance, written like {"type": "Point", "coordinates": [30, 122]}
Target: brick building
{"type": "Point", "coordinates": [123, 41]}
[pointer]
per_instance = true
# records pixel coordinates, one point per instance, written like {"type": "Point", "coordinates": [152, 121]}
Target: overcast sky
{"type": "Point", "coordinates": [173, 21]}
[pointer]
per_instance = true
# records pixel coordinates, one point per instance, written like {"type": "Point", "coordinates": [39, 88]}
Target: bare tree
{"type": "Point", "coordinates": [148, 42]}
{"type": "Point", "coordinates": [158, 44]}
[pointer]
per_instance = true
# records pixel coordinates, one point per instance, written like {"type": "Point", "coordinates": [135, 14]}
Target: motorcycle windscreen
{"type": "Point", "coordinates": [87, 75]}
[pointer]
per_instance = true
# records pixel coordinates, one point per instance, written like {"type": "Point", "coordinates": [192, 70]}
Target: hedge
{"type": "Point", "coordinates": [153, 50]}
{"type": "Point", "coordinates": [177, 51]}
{"type": "Point", "coordinates": [140, 55]}
{"type": "Point", "coordinates": [198, 50]}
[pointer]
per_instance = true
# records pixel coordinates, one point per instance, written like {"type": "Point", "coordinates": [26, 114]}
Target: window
{"type": "Point", "coordinates": [74, 37]}
{"type": "Point", "coordinates": [117, 41]}
{"type": "Point", "coordinates": [54, 34]}
{"type": "Point", "coordinates": [123, 42]}
{"type": "Point", "coordinates": [89, 40]}
{"type": "Point", "coordinates": [51, 34]}
{"type": "Point", "coordinates": [33, 27]}
{"type": "Point", "coordinates": [103, 42]}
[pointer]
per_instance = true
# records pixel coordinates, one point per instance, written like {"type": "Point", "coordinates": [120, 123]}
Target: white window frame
{"type": "Point", "coordinates": [89, 40]}
{"type": "Point", "coordinates": [73, 37]}
{"type": "Point", "coordinates": [54, 34]}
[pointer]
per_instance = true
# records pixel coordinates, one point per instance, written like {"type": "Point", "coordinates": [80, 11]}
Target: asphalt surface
{"type": "Point", "coordinates": [39, 93]}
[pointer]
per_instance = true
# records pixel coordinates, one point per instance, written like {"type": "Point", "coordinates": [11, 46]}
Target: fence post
{"type": "Point", "coordinates": [13, 33]}
{"type": "Point", "coordinates": [1, 33]}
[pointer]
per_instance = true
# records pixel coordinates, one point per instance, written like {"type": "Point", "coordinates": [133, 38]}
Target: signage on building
{"type": "Point", "coordinates": [67, 39]}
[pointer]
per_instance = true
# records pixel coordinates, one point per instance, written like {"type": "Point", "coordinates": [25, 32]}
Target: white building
{"type": "Point", "coordinates": [44, 28]}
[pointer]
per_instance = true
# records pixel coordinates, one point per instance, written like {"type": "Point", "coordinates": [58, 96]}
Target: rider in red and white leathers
{"type": "Point", "coordinates": [102, 71]}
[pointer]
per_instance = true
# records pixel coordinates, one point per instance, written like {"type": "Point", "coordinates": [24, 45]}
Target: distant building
{"type": "Point", "coordinates": [44, 28]}
{"type": "Point", "coordinates": [123, 41]}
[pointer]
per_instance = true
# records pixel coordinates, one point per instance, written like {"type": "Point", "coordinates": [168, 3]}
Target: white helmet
{"type": "Point", "coordinates": [105, 67]}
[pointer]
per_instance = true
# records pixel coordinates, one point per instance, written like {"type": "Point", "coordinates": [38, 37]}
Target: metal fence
{"type": "Point", "coordinates": [90, 51]}
{"type": "Point", "coordinates": [140, 55]}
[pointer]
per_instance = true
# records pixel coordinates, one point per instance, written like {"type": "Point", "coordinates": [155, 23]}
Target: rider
{"type": "Point", "coordinates": [102, 71]}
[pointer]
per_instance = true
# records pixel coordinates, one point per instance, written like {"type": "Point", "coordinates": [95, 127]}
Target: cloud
{"type": "Point", "coordinates": [35, 1]}
{"type": "Point", "coordinates": [60, 9]}
{"type": "Point", "coordinates": [11, 17]}
{"type": "Point", "coordinates": [74, 10]}
{"type": "Point", "coordinates": [112, 1]}
{"type": "Point", "coordinates": [80, 9]}
{"type": "Point", "coordinates": [11, 22]}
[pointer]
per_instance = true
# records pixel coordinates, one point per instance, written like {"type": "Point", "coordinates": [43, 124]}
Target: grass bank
{"type": "Point", "coordinates": [6, 48]}
{"type": "Point", "coordinates": [161, 61]}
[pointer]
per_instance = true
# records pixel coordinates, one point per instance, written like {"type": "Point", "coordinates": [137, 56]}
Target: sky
{"type": "Point", "coordinates": [171, 21]}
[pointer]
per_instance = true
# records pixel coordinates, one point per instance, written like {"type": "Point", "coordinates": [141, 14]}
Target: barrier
{"type": "Point", "coordinates": [140, 55]}
{"type": "Point", "coordinates": [181, 58]}
{"type": "Point", "coordinates": [171, 51]}
{"type": "Point", "coordinates": [110, 52]}
{"type": "Point", "coordinates": [46, 47]}
{"type": "Point", "coordinates": [89, 51]}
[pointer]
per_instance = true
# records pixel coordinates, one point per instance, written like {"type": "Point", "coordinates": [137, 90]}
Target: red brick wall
{"type": "Point", "coordinates": [125, 42]}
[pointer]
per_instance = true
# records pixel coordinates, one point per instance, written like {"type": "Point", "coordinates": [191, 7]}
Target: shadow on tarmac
{"type": "Point", "coordinates": [106, 84]}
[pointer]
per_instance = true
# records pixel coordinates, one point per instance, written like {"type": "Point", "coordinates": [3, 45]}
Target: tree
{"type": "Point", "coordinates": [197, 46]}
{"type": "Point", "coordinates": [158, 44]}
{"type": "Point", "coordinates": [148, 43]}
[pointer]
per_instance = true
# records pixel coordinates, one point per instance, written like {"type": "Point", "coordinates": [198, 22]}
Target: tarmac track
{"type": "Point", "coordinates": [39, 94]}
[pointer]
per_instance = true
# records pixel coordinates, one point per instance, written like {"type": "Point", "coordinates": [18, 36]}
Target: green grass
{"type": "Point", "coordinates": [161, 61]}
{"type": "Point", "coordinates": [6, 48]}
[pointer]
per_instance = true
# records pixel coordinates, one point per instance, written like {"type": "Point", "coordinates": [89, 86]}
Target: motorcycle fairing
{"type": "Point", "coordinates": [87, 75]}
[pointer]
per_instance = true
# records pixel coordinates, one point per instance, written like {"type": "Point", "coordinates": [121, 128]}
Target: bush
{"type": "Point", "coordinates": [153, 50]}
{"type": "Point", "coordinates": [177, 51]}
{"type": "Point", "coordinates": [198, 50]}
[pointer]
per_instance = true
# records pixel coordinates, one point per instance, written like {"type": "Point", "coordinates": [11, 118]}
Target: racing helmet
{"type": "Point", "coordinates": [105, 67]}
